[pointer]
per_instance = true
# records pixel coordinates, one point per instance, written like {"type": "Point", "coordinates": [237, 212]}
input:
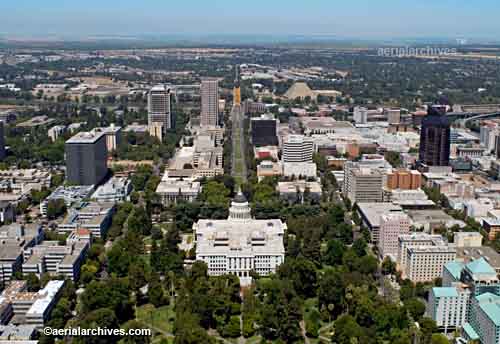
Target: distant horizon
{"type": "Point", "coordinates": [354, 20]}
{"type": "Point", "coordinates": [244, 39]}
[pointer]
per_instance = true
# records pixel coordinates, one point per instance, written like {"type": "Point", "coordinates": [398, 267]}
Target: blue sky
{"type": "Point", "coordinates": [349, 18]}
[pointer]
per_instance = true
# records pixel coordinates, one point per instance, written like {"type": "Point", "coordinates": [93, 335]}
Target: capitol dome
{"type": "Point", "coordinates": [240, 209]}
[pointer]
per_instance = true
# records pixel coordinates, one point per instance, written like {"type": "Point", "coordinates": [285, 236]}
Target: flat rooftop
{"type": "Point", "coordinates": [86, 137]}
{"type": "Point", "coordinates": [372, 211]}
{"type": "Point", "coordinates": [468, 254]}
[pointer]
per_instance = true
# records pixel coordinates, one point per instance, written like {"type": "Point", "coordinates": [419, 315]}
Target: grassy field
{"type": "Point", "coordinates": [159, 319]}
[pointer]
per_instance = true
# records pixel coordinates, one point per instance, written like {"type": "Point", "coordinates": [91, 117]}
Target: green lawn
{"type": "Point", "coordinates": [157, 318]}
{"type": "Point", "coordinates": [254, 340]}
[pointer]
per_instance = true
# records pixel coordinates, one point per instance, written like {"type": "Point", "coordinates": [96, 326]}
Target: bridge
{"type": "Point", "coordinates": [465, 117]}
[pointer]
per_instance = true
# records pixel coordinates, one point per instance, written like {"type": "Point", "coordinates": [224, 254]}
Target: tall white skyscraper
{"type": "Point", "coordinates": [159, 109]}
{"type": "Point", "coordinates": [210, 102]}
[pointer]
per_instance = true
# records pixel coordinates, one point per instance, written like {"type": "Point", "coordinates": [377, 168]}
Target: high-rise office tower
{"type": "Point", "coordinates": [435, 138]}
{"type": "Point", "coordinates": [86, 158]}
{"type": "Point", "coordinates": [264, 130]}
{"type": "Point", "coordinates": [237, 87]}
{"type": "Point", "coordinates": [298, 148]}
{"type": "Point", "coordinates": [209, 102]}
{"type": "Point", "coordinates": [2, 141]}
{"type": "Point", "coordinates": [159, 108]}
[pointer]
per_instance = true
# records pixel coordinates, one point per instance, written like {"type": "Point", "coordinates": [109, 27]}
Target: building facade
{"type": "Point", "coordinates": [362, 184]}
{"type": "Point", "coordinates": [435, 139]}
{"type": "Point", "coordinates": [210, 102]}
{"type": "Point", "coordinates": [416, 239]}
{"type": "Point", "coordinates": [86, 158]}
{"type": "Point", "coordinates": [159, 107]}
{"type": "Point", "coordinates": [392, 225]}
{"type": "Point", "coordinates": [448, 306]}
{"type": "Point", "coordinates": [240, 244]}
{"type": "Point", "coordinates": [425, 263]}
{"type": "Point", "coordinates": [298, 148]}
{"type": "Point", "coordinates": [264, 131]}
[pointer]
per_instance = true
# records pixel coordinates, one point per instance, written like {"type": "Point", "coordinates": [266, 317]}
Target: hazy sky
{"type": "Point", "coordinates": [347, 18]}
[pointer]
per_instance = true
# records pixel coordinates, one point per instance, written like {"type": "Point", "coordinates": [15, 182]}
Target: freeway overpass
{"type": "Point", "coordinates": [465, 117]}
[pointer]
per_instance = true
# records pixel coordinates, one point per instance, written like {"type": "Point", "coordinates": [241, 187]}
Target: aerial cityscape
{"type": "Point", "coordinates": [279, 172]}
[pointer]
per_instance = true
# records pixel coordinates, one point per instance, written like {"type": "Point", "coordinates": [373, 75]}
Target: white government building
{"type": "Point", "coordinates": [240, 244]}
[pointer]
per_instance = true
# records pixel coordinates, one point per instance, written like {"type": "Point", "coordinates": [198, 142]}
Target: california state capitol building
{"type": "Point", "coordinates": [240, 244]}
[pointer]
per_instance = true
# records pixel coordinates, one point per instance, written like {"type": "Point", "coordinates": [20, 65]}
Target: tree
{"type": "Point", "coordinates": [427, 328]}
{"type": "Point", "coordinates": [367, 265]}
{"type": "Point", "coordinates": [99, 318]}
{"type": "Point", "coordinates": [134, 324]}
{"type": "Point", "coordinates": [88, 272]}
{"type": "Point", "coordinates": [61, 313]}
{"type": "Point", "coordinates": [359, 246]}
{"type": "Point", "coordinates": [232, 328]}
{"type": "Point", "coordinates": [347, 330]}
{"type": "Point", "coordinates": [415, 307]}
{"type": "Point", "coordinates": [334, 251]}
{"type": "Point", "coordinates": [33, 282]}
{"type": "Point", "coordinates": [156, 294]}
{"type": "Point", "coordinates": [438, 338]}
{"type": "Point", "coordinates": [113, 293]}
{"type": "Point", "coordinates": [199, 270]}
{"type": "Point", "coordinates": [280, 312]}
{"type": "Point", "coordinates": [216, 194]}
{"type": "Point", "coordinates": [331, 292]}
{"type": "Point", "coordinates": [55, 208]}
{"type": "Point", "coordinates": [137, 275]}
{"type": "Point", "coordinates": [187, 330]}
{"type": "Point", "coordinates": [394, 158]}
{"type": "Point", "coordinates": [139, 221]}
{"type": "Point", "coordinates": [302, 273]}
{"type": "Point", "coordinates": [388, 266]}
{"type": "Point", "coordinates": [313, 323]}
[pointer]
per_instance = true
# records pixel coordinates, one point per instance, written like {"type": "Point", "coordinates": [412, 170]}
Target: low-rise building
{"type": "Point", "coordinates": [476, 208]}
{"type": "Point", "coordinates": [93, 216]}
{"type": "Point", "coordinates": [35, 308]}
{"type": "Point", "coordinates": [430, 219]}
{"type": "Point", "coordinates": [425, 263]}
{"type": "Point", "coordinates": [300, 169]}
{"type": "Point", "coordinates": [299, 191]}
{"type": "Point", "coordinates": [370, 214]}
{"type": "Point", "coordinates": [39, 313]}
{"type": "Point", "coordinates": [22, 181]}
{"type": "Point", "coordinates": [470, 152]}
{"type": "Point", "coordinates": [467, 239]}
{"type": "Point", "coordinates": [59, 260]}
{"type": "Point", "coordinates": [174, 190]}
{"type": "Point", "coordinates": [268, 168]}
{"type": "Point", "coordinates": [421, 241]}
{"type": "Point", "coordinates": [114, 190]}
{"type": "Point", "coordinates": [69, 194]}
{"type": "Point", "coordinates": [404, 179]}
{"type": "Point", "coordinates": [14, 239]}
{"type": "Point", "coordinates": [56, 131]}
{"type": "Point", "coordinates": [492, 226]}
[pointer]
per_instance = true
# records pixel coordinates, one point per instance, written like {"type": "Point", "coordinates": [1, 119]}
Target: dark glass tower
{"type": "Point", "coordinates": [435, 138]}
